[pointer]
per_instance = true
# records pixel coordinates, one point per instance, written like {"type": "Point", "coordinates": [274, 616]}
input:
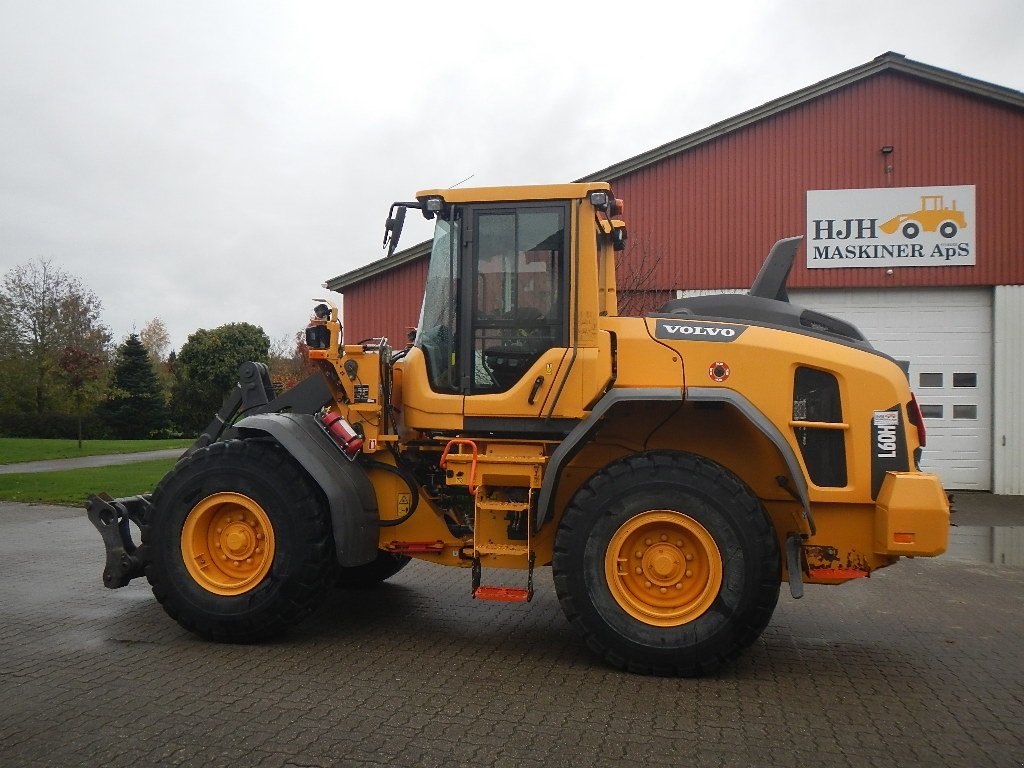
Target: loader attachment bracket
{"type": "Point", "coordinates": [111, 517]}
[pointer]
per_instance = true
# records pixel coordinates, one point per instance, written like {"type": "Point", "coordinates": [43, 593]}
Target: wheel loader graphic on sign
{"type": "Point", "coordinates": [934, 215]}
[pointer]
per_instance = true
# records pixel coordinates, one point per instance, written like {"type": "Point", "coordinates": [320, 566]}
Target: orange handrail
{"type": "Point", "coordinates": [472, 467]}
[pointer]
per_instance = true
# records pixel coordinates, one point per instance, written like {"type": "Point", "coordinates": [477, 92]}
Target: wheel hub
{"type": "Point", "coordinates": [663, 568]}
{"type": "Point", "coordinates": [227, 543]}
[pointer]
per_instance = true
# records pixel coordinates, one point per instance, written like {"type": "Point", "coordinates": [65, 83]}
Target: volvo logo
{"type": "Point", "coordinates": [669, 329]}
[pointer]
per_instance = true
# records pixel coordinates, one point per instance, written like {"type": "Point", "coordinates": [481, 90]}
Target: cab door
{"type": "Point", "coordinates": [514, 327]}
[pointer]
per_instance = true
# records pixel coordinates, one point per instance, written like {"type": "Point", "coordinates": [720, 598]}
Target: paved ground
{"type": "Point", "coordinates": [920, 665]}
{"type": "Point", "coordinates": [85, 462]}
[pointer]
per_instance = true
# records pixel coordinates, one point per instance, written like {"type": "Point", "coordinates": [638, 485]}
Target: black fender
{"type": "Point", "coordinates": [582, 432]}
{"type": "Point", "coordinates": [798, 488]}
{"type": "Point", "coordinates": [350, 495]}
{"type": "Point", "coordinates": [578, 437]}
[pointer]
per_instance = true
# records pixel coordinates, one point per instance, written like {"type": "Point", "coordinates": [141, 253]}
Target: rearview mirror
{"type": "Point", "coordinates": [393, 227]}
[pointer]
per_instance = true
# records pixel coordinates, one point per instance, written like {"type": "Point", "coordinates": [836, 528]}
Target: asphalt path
{"type": "Point", "coordinates": [88, 462]}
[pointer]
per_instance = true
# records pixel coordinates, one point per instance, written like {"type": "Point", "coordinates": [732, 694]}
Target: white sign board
{"type": "Point", "coordinates": [891, 227]}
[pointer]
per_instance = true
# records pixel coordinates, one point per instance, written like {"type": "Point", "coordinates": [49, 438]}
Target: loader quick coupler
{"type": "Point", "coordinates": [111, 517]}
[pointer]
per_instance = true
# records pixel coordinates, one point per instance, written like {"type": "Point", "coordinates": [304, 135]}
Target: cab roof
{"type": "Point", "coordinates": [508, 194]}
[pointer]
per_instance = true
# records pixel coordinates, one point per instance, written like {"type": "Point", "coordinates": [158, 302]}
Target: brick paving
{"type": "Point", "coordinates": [921, 665]}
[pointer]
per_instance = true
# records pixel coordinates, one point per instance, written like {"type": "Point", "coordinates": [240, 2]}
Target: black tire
{"type": "Point", "coordinates": [373, 573]}
{"type": "Point", "coordinates": [911, 230]}
{"type": "Point", "coordinates": [948, 230]}
{"type": "Point", "coordinates": [704, 502]}
{"type": "Point", "coordinates": [259, 479]}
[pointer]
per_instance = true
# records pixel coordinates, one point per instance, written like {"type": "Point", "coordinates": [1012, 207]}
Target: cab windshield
{"type": "Point", "coordinates": [435, 335]}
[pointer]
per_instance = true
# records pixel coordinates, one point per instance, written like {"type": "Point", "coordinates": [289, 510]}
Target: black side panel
{"type": "Point", "coordinates": [519, 427]}
{"type": "Point", "coordinates": [348, 490]}
{"type": "Point", "coordinates": [888, 446]}
{"type": "Point", "coordinates": [743, 308]}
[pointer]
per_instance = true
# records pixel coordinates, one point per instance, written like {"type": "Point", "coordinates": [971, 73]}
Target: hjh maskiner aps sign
{"type": "Point", "coordinates": [891, 227]}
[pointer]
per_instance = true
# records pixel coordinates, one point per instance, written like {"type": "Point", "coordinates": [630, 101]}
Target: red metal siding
{"type": "Point", "coordinates": [708, 215]}
{"type": "Point", "coordinates": [387, 304]}
{"type": "Point", "coordinates": [711, 213]}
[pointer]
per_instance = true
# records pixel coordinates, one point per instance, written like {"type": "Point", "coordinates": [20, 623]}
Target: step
{"type": "Point", "coordinates": [512, 550]}
{"type": "Point", "coordinates": [502, 594]}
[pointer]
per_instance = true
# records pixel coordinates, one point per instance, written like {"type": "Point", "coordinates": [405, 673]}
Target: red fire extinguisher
{"type": "Point", "coordinates": [344, 435]}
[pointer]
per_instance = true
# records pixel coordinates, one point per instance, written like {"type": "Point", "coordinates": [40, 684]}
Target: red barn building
{"type": "Point", "coordinates": [907, 182]}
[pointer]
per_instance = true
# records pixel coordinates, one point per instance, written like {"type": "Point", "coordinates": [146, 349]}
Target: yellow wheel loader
{"type": "Point", "coordinates": [672, 470]}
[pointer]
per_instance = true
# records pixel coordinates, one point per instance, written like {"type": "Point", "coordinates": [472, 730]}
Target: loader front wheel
{"type": "Point", "coordinates": [666, 564]}
{"type": "Point", "coordinates": [239, 542]}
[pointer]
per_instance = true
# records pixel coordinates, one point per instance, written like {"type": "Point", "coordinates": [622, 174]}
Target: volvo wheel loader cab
{"type": "Point", "coordinates": [672, 470]}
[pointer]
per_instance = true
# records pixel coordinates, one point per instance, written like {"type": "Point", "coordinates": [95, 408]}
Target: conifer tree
{"type": "Point", "coordinates": [135, 407]}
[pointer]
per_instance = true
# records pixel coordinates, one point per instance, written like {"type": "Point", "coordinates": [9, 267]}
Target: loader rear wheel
{"type": "Point", "coordinates": [666, 564]}
{"type": "Point", "coordinates": [239, 542]}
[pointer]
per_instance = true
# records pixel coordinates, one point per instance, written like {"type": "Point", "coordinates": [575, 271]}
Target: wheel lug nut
{"type": "Point", "coordinates": [248, 560]}
{"type": "Point", "coordinates": [679, 585]}
{"type": "Point", "coordinates": [238, 563]}
{"type": "Point", "coordinates": [220, 530]}
{"type": "Point", "coordinates": [647, 584]}
{"type": "Point", "coordinates": [689, 574]}
{"type": "Point", "coordinates": [223, 557]}
{"type": "Point", "coordinates": [663, 590]}
{"type": "Point", "coordinates": [259, 536]}
{"type": "Point", "coordinates": [639, 554]}
{"type": "Point", "coordinates": [689, 557]}
{"type": "Point", "coordinates": [639, 570]}
{"type": "Point", "coordinates": [648, 542]}
{"type": "Point", "coordinates": [664, 537]}
{"type": "Point", "coordinates": [258, 550]}
{"type": "Point", "coordinates": [679, 542]}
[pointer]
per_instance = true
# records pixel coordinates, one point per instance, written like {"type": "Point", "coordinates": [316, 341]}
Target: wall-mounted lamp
{"type": "Point", "coordinates": [887, 158]}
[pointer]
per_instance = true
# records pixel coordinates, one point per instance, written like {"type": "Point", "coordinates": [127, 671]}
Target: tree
{"type": "Point", "coordinates": [82, 370]}
{"type": "Point", "coordinates": [636, 269]}
{"type": "Point", "coordinates": [135, 407]}
{"type": "Point", "coordinates": [289, 360]}
{"type": "Point", "coordinates": [206, 370]}
{"type": "Point", "coordinates": [43, 310]}
{"type": "Point", "coordinates": [156, 339]}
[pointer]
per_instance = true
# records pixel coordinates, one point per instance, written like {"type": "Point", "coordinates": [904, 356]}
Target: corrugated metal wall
{"type": "Point", "coordinates": [1008, 406]}
{"type": "Point", "coordinates": [387, 304]}
{"type": "Point", "coordinates": [710, 214]}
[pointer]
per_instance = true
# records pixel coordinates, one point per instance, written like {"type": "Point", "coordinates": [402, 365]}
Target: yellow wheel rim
{"type": "Point", "coordinates": [227, 543]}
{"type": "Point", "coordinates": [663, 568]}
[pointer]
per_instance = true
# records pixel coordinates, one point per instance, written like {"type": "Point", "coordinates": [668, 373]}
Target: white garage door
{"type": "Point", "coordinates": [946, 335]}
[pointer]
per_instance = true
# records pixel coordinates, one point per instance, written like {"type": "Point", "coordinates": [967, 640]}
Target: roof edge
{"type": "Point", "coordinates": [890, 61]}
{"type": "Point", "coordinates": [374, 268]}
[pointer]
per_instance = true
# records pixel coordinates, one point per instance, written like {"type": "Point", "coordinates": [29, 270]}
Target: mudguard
{"type": "Point", "coordinates": [577, 438]}
{"type": "Point", "coordinates": [350, 495]}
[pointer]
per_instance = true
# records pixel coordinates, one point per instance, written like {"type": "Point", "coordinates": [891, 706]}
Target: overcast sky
{"type": "Point", "coordinates": [207, 162]}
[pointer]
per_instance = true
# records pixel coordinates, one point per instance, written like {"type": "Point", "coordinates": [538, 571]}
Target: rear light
{"type": "Point", "coordinates": [917, 419]}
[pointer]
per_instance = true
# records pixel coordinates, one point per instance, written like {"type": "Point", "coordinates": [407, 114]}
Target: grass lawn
{"type": "Point", "coordinates": [16, 449]}
{"type": "Point", "coordinates": [74, 485]}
